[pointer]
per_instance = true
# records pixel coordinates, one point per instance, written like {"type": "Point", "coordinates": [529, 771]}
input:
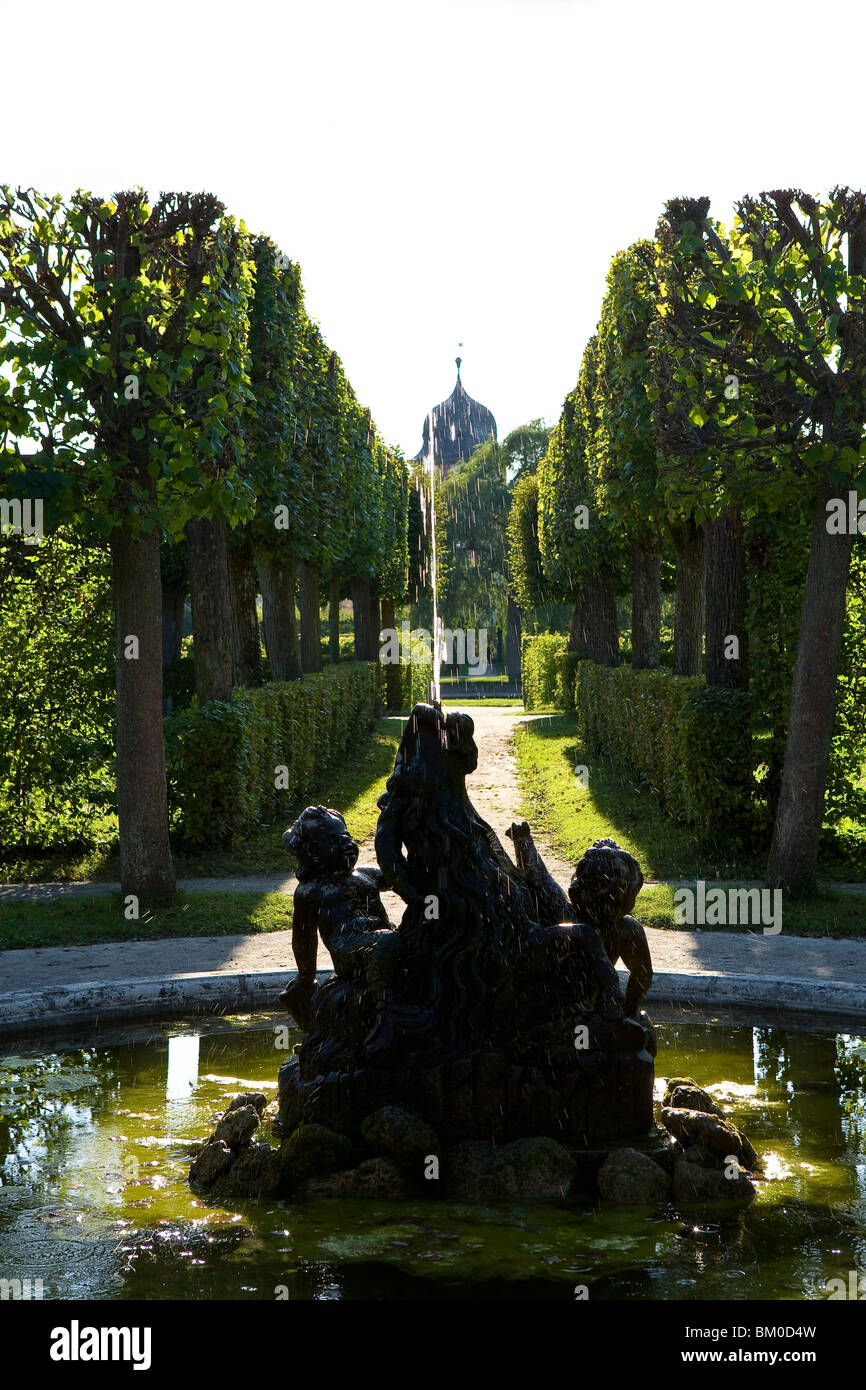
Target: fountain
{"type": "Point", "coordinates": [484, 1042]}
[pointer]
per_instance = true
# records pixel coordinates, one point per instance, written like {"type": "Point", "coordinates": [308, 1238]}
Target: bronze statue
{"type": "Point", "coordinates": [340, 903]}
{"type": "Point", "coordinates": [471, 1009]}
{"type": "Point", "coordinates": [602, 893]}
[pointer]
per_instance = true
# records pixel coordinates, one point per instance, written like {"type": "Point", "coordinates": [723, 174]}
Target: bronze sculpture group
{"type": "Point", "coordinates": [485, 1040]}
{"type": "Point", "coordinates": [493, 1009]}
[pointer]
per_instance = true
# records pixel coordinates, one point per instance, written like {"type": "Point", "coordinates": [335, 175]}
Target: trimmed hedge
{"type": "Point", "coordinates": [222, 758]}
{"type": "Point", "coordinates": [408, 683]}
{"type": "Point", "coordinates": [690, 742]}
{"type": "Point", "coordinates": [542, 659]}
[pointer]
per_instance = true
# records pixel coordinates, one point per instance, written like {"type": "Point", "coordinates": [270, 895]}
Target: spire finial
{"type": "Point", "coordinates": [458, 360]}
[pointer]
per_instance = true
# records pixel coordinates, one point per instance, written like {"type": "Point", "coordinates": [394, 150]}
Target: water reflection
{"type": "Point", "coordinates": [182, 1072]}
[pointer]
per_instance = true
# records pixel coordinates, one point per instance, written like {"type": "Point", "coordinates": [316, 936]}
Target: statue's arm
{"type": "Point", "coordinates": [389, 853]}
{"type": "Point", "coordinates": [298, 993]}
{"type": "Point", "coordinates": [305, 931]}
{"type": "Point", "coordinates": [552, 903]}
{"type": "Point", "coordinates": [634, 952]}
{"type": "Point", "coordinates": [374, 874]}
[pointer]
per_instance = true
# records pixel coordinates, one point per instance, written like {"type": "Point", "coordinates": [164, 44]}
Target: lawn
{"type": "Point", "coordinates": [468, 704]}
{"type": "Point", "coordinates": [85, 921]}
{"type": "Point", "coordinates": [555, 801]}
{"type": "Point", "coordinates": [828, 912]}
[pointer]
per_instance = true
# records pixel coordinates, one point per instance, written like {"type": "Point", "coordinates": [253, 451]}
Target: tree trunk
{"type": "Point", "coordinates": [375, 625]}
{"type": "Point", "coordinates": [246, 648]}
{"type": "Point", "coordinates": [574, 636]}
{"type": "Point", "coordinates": [645, 605]}
{"type": "Point", "coordinates": [388, 617]}
{"type": "Point", "coordinates": [794, 849]}
{"type": "Point", "coordinates": [595, 621]}
{"type": "Point", "coordinates": [211, 608]}
{"type": "Point", "coordinates": [277, 578]}
{"type": "Point", "coordinates": [362, 619]}
{"type": "Point", "coordinates": [334, 621]}
{"type": "Point", "coordinates": [311, 640]}
{"type": "Point", "coordinates": [512, 642]}
{"type": "Point", "coordinates": [727, 659]}
{"type": "Point", "coordinates": [173, 603]}
{"type": "Point", "coordinates": [146, 869]}
{"type": "Point", "coordinates": [688, 605]}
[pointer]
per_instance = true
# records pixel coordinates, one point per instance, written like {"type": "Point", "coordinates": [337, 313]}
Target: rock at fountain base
{"type": "Point", "coordinates": [630, 1178]}
{"type": "Point", "coordinates": [698, 1179]}
{"type": "Point", "coordinates": [594, 1097]}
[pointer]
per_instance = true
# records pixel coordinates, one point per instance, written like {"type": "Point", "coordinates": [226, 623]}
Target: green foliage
{"type": "Point", "coordinates": [156, 365]}
{"type": "Point", "coordinates": [845, 802]}
{"type": "Point", "coordinates": [178, 679]}
{"type": "Point", "coordinates": [572, 812]}
{"type": "Point", "coordinates": [570, 480]}
{"type": "Point", "coordinates": [773, 304]}
{"type": "Point", "coordinates": [691, 743]}
{"type": "Point", "coordinates": [541, 662]}
{"type": "Point", "coordinates": [56, 692]}
{"type": "Point", "coordinates": [625, 443]}
{"type": "Point", "coordinates": [124, 374]}
{"type": "Point", "coordinates": [313, 449]}
{"type": "Point", "coordinates": [473, 502]}
{"type": "Point", "coordinates": [276, 416]}
{"type": "Point", "coordinates": [525, 447]}
{"type": "Point", "coordinates": [776, 558]}
{"type": "Point", "coordinates": [524, 556]}
{"type": "Point", "coordinates": [850, 1069]}
{"type": "Point", "coordinates": [408, 684]}
{"type": "Point", "coordinates": [223, 759]}
{"type": "Point", "coordinates": [347, 647]}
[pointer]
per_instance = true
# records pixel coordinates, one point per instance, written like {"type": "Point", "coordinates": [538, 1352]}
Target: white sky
{"type": "Point", "coordinates": [453, 171]}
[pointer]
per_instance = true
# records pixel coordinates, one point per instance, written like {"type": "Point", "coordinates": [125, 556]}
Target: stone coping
{"type": "Point", "coordinates": [55, 1007]}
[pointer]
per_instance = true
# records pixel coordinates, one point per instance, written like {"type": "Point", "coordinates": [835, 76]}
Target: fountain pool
{"type": "Point", "coordinates": [95, 1145]}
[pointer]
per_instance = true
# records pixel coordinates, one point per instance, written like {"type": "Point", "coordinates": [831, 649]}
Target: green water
{"type": "Point", "coordinates": [95, 1148]}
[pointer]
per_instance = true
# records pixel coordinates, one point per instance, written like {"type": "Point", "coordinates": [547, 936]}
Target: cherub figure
{"type": "Point", "coordinates": [602, 893]}
{"type": "Point", "coordinates": [340, 903]}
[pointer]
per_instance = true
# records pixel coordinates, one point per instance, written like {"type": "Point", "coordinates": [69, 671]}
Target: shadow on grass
{"type": "Point", "coordinates": [91, 921]}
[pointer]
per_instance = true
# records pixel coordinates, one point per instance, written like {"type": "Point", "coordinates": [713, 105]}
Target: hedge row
{"type": "Point", "coordinates": [408, 683]}
{"type": "Point", "coordinates": [234, 767]}
{"type": "Point", "coordinates": [690, 742]}
{"type": "Point", "coordinates": [547, 672]}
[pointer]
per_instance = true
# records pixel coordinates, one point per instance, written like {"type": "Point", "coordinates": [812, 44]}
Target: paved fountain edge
{"type": "Point", "coordinates": [25, 1013]}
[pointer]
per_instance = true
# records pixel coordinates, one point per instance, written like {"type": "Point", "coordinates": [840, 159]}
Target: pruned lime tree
{"type": "Point", "coordinates": [776, 310]}
{"type": "Point", "coordinates": [122, 346]}
{"type": "Point", "coordinates": [275, 461]}
{"type": "Point", "coordinates": [582, 549]}
{"type": "Point", "coordinates": [531, 589]}
{"type": "Point", "coordinates": [627, 464]}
